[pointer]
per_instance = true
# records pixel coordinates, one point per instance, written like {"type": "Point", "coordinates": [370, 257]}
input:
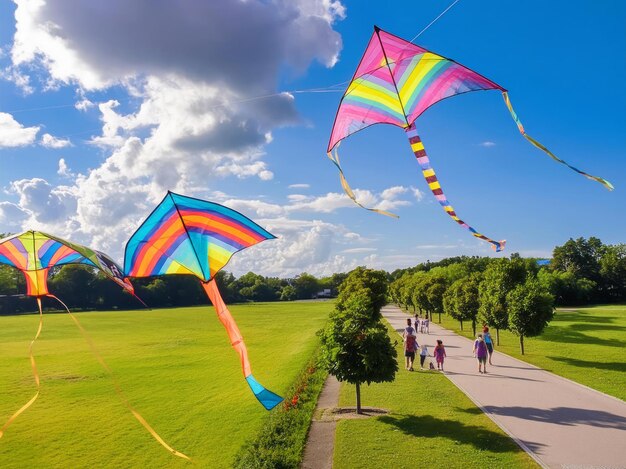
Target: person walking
{"type": "Point", "coordinates": [439, 354]}
{"type": "Point", "coordinates": [480, 352]}
{"type": "Point", "coordinates": [423, 355]}
{"type": "Point", "coordinates": [426, 325]}
{"type": "Point", "coordinates": [410, 347]}
{"type": "Point", "coordinates": [488, 342]}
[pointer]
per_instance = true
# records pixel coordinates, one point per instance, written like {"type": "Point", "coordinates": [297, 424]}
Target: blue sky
{"type": "Point", "coordinates": [207, 101]}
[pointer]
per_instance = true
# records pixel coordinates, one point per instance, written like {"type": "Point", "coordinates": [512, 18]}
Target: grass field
{"type": "Point", "coordinates": [177, 368]}
{"type": "Point", "coordinates": [587, 345]}
{"type": "Point", "coordinates": [431, 424]}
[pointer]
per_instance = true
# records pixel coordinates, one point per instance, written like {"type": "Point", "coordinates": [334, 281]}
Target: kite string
{"type": "Point", "coordinates": [116, 385]}
{"type": "Point", "coordinates": [35, 373]}
{"type": "Point", "coordinates": [435, 20]}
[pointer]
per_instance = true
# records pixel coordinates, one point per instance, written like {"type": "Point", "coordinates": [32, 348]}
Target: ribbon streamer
{"type": "Point", "coordinates": [433, 183]}
{"type": "Point", "coordinates": [35, 373]}
{"type": "Point", "coordinates": [117, 387]}
{"type": "Point", "coordinates": [267, 398]}
{"type": "Point", "coordinates": [348, 190]}
{"type": "Point", "coordinates": [602, 181]}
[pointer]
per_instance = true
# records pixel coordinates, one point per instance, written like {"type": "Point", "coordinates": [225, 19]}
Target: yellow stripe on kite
{"type": "Point", "coordinates": [390, 102]}
{"type": "Point", "coordinates": [425, 65]}
{"type": "Point", "coordinates": [428, 173]}
{"type": "Point", "coordinates": [419, 146]}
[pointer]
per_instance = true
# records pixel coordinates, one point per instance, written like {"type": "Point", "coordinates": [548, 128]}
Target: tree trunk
{"type": "Point", "coordinates": [497, 337]}
{"type": "Point", "coordinates": [521, 343]}
{"type": "Point", "coordinates": [439, 317]}
{"type": "Point", "coordinates": [358, 398]}
{"type": "Point", "coordinates": [474, 327]}
{"type": "Point", "coordinates": [461, 322]}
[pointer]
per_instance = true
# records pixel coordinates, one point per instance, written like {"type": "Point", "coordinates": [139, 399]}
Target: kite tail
{"type": "Point", "coordinates": [433, 183]}
{"type": "Point", "coordinates": [604, 182]}
{"type": "Point", "coordinates": [348, 190]}
{"type": "Point", "coordinates": [267, 398]}
{"type": "Point", "coordinates": [117, 387]}
{"type": "Point", "coordinates": [35, 373]}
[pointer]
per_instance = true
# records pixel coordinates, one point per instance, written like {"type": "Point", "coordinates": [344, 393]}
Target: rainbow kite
{"type": "Point", "coordinates": [184, 235]}
{"type": "Point", "coordinates": [34, 253]}
{"type": "Point", "coordinates": [395, 82]}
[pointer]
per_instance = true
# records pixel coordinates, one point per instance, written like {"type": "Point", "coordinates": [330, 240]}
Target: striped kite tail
{"type": "Point", "coordinates": [507, 101]}
{"type": "Point", "coordinates": [433, 183]}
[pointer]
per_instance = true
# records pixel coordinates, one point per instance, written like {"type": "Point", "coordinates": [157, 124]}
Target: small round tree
{"type": "Point", "coordinates": [355, 344]}
{"type": "Point", "coordinates": [461, 300]}
{"type": "Point", "coordinates": [530, 310]}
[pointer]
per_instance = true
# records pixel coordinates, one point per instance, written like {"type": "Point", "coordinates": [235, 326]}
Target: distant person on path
{"type": "Point", "coordinates": [439, 354]}
{"type": "Point", "coordinates": [480, 352]}
{"type": "Point", "coordinates": [426, 326]}
{"type": "Point", "coordinates": [408, 330]}
{"type": "Point", "coordinates": [423, 355]}
{"type": "Point", "coordinates": [410, 344]}
{"type": "Point", "coordinates": [488, 342]}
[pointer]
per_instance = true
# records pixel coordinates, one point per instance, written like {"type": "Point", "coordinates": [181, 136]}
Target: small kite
{"type": "Point", "coordinates": [184, 235]}
{"type": "Point", "coordinates": [395, 82]}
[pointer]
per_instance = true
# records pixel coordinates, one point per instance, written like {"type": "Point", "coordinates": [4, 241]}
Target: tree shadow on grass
{"type": "Point", "coordinates": [565, 335]}
{"type": "Point", "coordinates": [583, 316]}
{"type": "Point", "coordinates": [427, 426]}
{"type": "Point", "coordinates": [566, 416]}
{"type": "Point", "coordinates": [612, 366]}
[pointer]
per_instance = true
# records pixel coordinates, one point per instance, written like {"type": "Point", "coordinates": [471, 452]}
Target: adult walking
{"type": "Point", "coordinates": [480, 352]}
{"type": "Point", "coordinates": [488, 342]}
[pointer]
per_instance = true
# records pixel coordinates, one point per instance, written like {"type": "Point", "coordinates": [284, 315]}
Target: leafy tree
{"type": "Point", "coordinates": [500, 277]}
{"type": "Point", "coordinates": [436, 286]}
{"type": "Point", "coordinates": [531, 308]}
{"type": "Point", "coordinates": [306, 286]}
{"type": "Point", "coordinates": [73, 283]}
{"type": "Point", "coordinates": [581, 257]}
{"type": "Point", "coordinates": [374, 280]}
{"type": "Point", "coordinates": [461, 300]}
{"type": "Point", "coordinates": [288, 293]}
{"type": "Point", "coordinates": [613, 272]}
{"type": "Point", "coordinates": [355, 345]}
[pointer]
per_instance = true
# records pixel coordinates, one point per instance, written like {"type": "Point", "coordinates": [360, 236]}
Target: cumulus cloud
{"type": "Point", "coordinates": [12, 216]}
{"type": "Point", "coordinates": [49, 141]}
{"type": "Point", "coordinates": [193, 74]}
{"type": "Point", "coordinates": [14, 134]}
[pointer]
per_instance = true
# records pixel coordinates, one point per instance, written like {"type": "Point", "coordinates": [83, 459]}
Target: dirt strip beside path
{"type": "Point", "coordinates": [560, 423]}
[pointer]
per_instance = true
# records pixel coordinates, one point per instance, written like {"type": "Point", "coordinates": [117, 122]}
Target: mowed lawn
{"type": "Point", "coordinates": [431, 424]}
{"type": "Point", "coordinates": [587, 345]}
{"type": "Point", "coordinates": [177, 368]}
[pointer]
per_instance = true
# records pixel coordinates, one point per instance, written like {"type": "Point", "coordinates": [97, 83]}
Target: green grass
{"type": "Point", "coordinates": [431, 424]}
{"type": "Point", "coordinates": [177, 368]}
{"type": "Point", "coordinates": [586, 345]}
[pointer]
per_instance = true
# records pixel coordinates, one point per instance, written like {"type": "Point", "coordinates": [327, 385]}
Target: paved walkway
{"type": "Point", "coordinates": [318, 453]}
{"type": "Point", "coordinates": [561, 424]}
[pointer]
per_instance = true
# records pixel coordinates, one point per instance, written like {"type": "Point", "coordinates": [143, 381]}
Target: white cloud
{"type": "Point", "coordinates": [14, 134]}
{"type": "Point", "coordinates": [12, 216]}
{"type": "Point", "coordinates": [298, 186]}
{"type": "Point", "coordinates": [49, 141]}
{"type": "Point", "coordinates": [487, 144]}
{"type": "Point", "coordinates": [64, 169]}
{"type": "Point", "coordinates": [189, 119]}
{"type": "Point", "coordinates": [358, 250]}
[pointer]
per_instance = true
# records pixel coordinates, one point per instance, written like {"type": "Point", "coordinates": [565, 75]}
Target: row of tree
{"type": "Point", "coordinates": [82, 287]}
{"type": "Point", "coordinates": [503, 293]}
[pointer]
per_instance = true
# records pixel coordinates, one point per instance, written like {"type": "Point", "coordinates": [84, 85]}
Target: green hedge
{"type": "Point", "coordinates": [281, 440]}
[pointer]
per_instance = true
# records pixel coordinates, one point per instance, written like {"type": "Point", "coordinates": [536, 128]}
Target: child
{"type": "Point", "coordinates": [480, 352]}
{"type": "Point", "coordinates": [423, 355]}
{"type": "Point", "coordinates": [439, 354]}
{"type": "Point", "coordinates": [410, 346]}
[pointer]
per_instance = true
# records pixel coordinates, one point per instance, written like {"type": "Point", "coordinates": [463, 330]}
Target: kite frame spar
{"type": "Point", "coordinates": [381, 102]}
{"type": "Point", "coordinates": [141, 262]}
